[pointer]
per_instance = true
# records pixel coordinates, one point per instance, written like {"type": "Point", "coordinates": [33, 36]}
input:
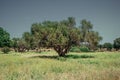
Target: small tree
{"type": "Point", "coordinates": [108, 46]}
{"type": "Point", "coordinates": [88, 35]}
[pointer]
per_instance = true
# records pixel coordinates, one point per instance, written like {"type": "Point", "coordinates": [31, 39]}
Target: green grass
{"type": "Point", "coordinates": [48, 66]}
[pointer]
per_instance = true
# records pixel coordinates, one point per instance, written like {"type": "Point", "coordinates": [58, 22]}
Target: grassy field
{"type": "Point", "coordinates": [48, 66]}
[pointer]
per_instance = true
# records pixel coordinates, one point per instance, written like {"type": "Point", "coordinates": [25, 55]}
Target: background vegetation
{"type": "Point", "coordinates": [62, 36]}
{"type": "Point", "coordinates": [59, 35]}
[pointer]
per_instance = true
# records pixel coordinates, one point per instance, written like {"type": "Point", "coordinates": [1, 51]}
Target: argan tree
{"type": "Point", "coordinates": [58, 35]}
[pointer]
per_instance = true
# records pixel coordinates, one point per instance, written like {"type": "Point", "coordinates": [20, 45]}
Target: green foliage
{"type": "Point", "coordinates": [5, 50]}
{"type": "Point", "coordinates": [22, 45]}
{"type": "Point", "coordinates": [88, 35]}
{"type": "Point", "coordinates": [79, 49]}
{"type": "Point", "coordinates": [75, 49]}
{"type": "Point", "coordinates": [117, 43]}
{"type": "Point", "coordinates": [60, 36]}
{"type": "Point", "coordinates": [27, 37]}
{"type": "Point", "coordinates": [84, 49]}
{"type": "Point", "coordinates": [108, 46]}
{"type": "Point", "coordinates": [4, 38]}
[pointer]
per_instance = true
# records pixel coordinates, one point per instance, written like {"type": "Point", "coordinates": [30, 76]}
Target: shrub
{"type": "Point", "coordinates": [79, 49]}
{"type": "Point", "coordinates": [5, 49]}
{"type": "Point", "coordinates": [75, 49]}
{"type": "Point", "coordinates": [84, 49]}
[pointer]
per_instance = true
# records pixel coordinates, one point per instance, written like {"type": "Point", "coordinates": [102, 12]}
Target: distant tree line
{"type": "Point", "coordinates": [109, 46]}
{"type": "Point", "coordinates": [59, 35]}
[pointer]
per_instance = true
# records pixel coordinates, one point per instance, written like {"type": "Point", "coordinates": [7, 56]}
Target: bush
{"type": "Point", "coordinates": [79, 49]}
{"type": "Point", "coordinates": [6, 50]}
{"type": "Point", "coordinates": [75, 49]}
{"type": "Point", "coordinates": [84, 49]}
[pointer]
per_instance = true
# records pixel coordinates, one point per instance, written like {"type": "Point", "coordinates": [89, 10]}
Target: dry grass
{"type": "Point", "coordinates": [48, 66]}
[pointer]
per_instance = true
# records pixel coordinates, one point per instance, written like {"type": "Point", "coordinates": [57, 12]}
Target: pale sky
{"type": "Point", "coordinates": [16, 16]}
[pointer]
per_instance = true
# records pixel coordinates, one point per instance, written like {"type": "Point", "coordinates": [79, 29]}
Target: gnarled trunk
{"type": "Point", "coordinates": [61, 50]}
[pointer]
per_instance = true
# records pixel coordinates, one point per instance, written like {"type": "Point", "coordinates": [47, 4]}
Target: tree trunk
{"type": "Point", "coordinates": [61, 50]}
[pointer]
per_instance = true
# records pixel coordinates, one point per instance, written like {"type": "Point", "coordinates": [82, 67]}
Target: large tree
{"type": "Point", "coordinates": [4, 38]}
{"type": "Point", "coordinates": [58, 35]}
